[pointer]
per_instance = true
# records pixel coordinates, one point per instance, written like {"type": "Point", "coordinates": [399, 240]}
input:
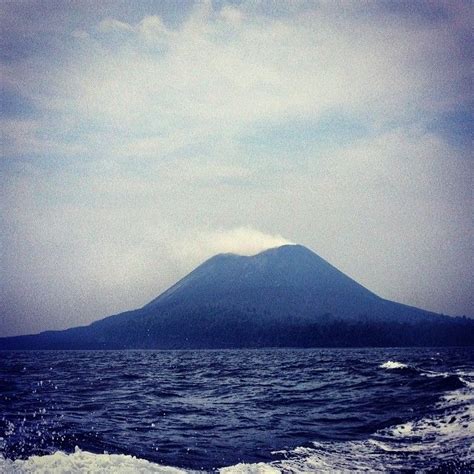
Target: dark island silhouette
{"type": "Point", "coordinates": [283, 297]}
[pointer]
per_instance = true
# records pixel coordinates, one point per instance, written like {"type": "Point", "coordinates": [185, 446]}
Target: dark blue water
{"type": "Point", "coordinates": [293, 409]}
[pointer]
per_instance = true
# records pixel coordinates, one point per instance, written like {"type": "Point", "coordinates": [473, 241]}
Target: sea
{"type": "Point", "coordinates": [237, 411]}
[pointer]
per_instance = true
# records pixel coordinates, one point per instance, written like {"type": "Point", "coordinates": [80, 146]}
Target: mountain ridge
{"type": "Point", "coordinates": [283, 296]}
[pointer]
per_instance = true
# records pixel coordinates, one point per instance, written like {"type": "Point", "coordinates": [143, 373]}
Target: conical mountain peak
{"type": "Point", "coordinates": [281, 249]}
{"type": "Point", "coordinates": [286, 270]}
{"type": "Point", "coordinates": [283, 296]}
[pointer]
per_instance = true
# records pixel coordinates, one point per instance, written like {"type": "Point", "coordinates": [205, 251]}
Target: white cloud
{"type": "Point", "coordinates": [80, 34]}
{"type": "Point", "coordinates": [134, 166]}
{"type": "Point", "coordinates": [111, 25]}
{"type": "Point", "coordinates": [221, 72]}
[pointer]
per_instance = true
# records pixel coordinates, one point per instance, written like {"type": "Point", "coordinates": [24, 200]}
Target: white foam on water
{"type": "Point", "coordinates": [445, 439]}
{"type": "Point", "coordinates": [83, 462]}
{"type": "Point", "coordinates": [390, 364]}
{"type": "Point", "coordinates": [448, 433]}
{"type": "Point", "coordinates": [256, 468]}
{"type": "Point", "coordinates": [466, 378]}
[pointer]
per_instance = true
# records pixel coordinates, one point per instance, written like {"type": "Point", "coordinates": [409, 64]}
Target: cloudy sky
{"type": "Point", "coordinates": [139, 138]}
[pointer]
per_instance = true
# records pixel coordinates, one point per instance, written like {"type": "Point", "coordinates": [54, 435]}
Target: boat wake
{"type": "Point", "coordinates": [444, 441]}
{"type": "Point", "coordinates": [441, 441]}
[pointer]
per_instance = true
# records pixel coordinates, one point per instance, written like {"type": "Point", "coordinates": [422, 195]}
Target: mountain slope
{"type": "Point", "coordinates": [286, 296]}
{"type": "Point", "coordinates": [284, 271]}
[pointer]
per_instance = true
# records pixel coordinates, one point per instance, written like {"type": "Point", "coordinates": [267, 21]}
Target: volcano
{"type": "Point", "coordinates": [283, 297]}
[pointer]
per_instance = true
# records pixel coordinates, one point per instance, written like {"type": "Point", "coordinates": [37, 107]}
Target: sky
{"type": "Point", "coordinates": [140, 138]}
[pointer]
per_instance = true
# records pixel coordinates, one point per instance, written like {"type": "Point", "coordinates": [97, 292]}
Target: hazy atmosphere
{"type": "Point", "coordinates": [140, 138]}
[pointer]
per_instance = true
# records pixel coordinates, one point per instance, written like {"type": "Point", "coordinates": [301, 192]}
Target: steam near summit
{"type": "Point", "coordinates": [244, 240]}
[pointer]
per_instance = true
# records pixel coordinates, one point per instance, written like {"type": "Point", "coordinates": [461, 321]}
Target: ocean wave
{"type": "Point", "coordinates": [441, 380]}
{"type": "Point", "coordinates": [256, 468]}
{"type": "Point", "coordinates": [83, 461]}
{"type": "Point", "coordinates": [442, 441]}
{"type": "Point", "coordinates": [390, 365]}
{"type": "Point", "coordinates": [467, 378]}
{"type": "Point", "coordinates": [438, 438]}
